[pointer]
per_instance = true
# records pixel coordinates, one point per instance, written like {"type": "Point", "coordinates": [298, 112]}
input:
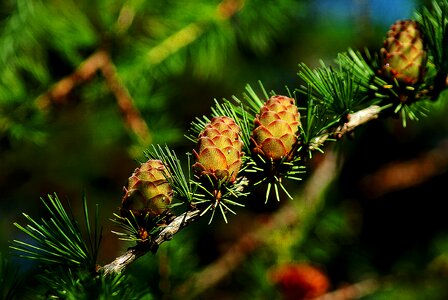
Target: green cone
{"type": "Point", "coordinates": [276, 128]}
{"type": "Point", "coordinates": [404, 55]}
{"type": "Point", "coordinates": [219, 150]}
{"type": "Point", "coordinates": [148, 192]}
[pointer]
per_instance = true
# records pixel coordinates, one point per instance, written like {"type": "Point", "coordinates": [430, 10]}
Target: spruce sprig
{"type": "Point", "coordinates": [336, 88]}
{"type": "Point", "coordinates": [330, 93]}
{"type": "Point", "coordinates": [252, 100]}
{"type": "Point", "coordinates": [59, 239]}
{"type": "Point", "coordinates": [314, 124]}
{"type": "Point", "coordinates": [434, 24]}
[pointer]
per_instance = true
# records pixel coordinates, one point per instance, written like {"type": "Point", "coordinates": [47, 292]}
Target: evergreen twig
{"type": "Point", "coordinates": [338, 101]}
{"type": "Point", "coordinates": [59, 240]}
{"type": "Point", "coordinates": [166, 234]}
{"type": "Point", "coordinates": [353, 120]}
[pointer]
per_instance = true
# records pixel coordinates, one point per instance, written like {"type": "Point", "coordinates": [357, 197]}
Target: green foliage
{"type": "Point", "coordinates": [69, 261]}
{"type": "Point", "coordinates": [10, 281]}
{"type": "Point", "coordinates": [59, 240]}
{"type": "Point", "coordinates": [434, 24]}
{"type": "Point", "coordinates": [149, 42]}
{"type": "Point", "coordinates": [338, 90]}
{"type": "Point", "coordinates": [152, 42]}
{"type": "Point", "coordinates": [315, 124]}
{"type": "Point", "coordinates": [78, 284]}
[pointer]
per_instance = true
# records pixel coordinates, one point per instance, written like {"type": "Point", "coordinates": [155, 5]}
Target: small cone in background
{"type": "Point", "coordinates": [276, 128]}
{"type": "Point", "coordinates": [403, 55]}
{"type": "Point", "coordinates": [148, 192]}
{"type": "Point", "coordinates": [219, 150]}
{"type": "Point", "coordinates": [299, 281]}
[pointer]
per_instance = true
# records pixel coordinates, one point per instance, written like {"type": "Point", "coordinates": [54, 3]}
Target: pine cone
{"type": "Point", "coordinates": [276, 128]}
{"type": "Point", "coordinates": [404, 55]}
{"type": "Point", "coordinates": [219, 150]}
{"type": "Point", "coordinates": [147, 192]}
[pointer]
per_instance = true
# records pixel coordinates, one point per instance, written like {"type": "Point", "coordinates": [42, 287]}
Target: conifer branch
{"type": "Point", "coordinates": [339, 93]}
{"type": "Point", "coordinates": [286, 216]}
{"type": "Point", "coordinates": [99, 61]}
{"type": "Point", "coordinates": [353, 120]}
{"type": "Point", "coordinates": [130, 113]}
{"type": "Point", "coordinates": [58, 93]}
{"type": "Point", "coordinates": [252, 239]}
{"type": "Point", "coordinates": [133, 253]}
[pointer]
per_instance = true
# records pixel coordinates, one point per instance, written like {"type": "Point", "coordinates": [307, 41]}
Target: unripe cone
{"type": "Point", "coordinates": [404, 55]}
{"type": "Point", "coordinates": [147, 192]}
{"type": "Point", "coordinates": [219, 150]}
{"type": "Point", "coordinates": [276, 128]}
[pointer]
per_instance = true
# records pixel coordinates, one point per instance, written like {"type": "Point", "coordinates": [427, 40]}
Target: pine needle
{"type": "Point", "coordinates": [59, 239]}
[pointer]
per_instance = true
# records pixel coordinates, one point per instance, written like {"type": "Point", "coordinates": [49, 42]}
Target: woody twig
{"type": "Point", "coordinates": [101, 62]}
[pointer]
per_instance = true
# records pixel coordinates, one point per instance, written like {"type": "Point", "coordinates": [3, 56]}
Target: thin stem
{"type": "Point", "coordinates": [354, 120]}
{"type": "Point", "coordinates": [123, 261]}
{"type": "Point", "coordinates": [99, 61]}
{"type": "Point", "coordinates": [130, 113]}
{"type": "Point", "coordinates": [58, 93]}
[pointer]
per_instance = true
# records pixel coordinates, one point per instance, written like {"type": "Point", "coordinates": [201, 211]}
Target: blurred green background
{"type": "Point", "coordinates": [170, 60]}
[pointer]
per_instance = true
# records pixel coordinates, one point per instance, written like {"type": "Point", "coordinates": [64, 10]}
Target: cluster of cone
{"type": "Point", "coordinates": [219, 149]}
{"type": "Point", "coordinates": [218, 156]}
{"type": "Point", "coordinates": [403, 55]}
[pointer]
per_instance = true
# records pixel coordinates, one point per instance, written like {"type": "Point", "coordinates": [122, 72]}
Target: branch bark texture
{"type": "Point", "coordinates": [353, 120]}
{"type": "Point", "coordinates": [123, 261]}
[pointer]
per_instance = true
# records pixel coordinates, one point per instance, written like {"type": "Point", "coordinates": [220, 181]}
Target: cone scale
{"type": "Point", "coordinates": [276, 129]}
{"type": "Point", "coordinates": [148, 193]}
{"type": "Point", "coordinates": [403, 55]}
{"type": "Point", "coordinates": [219, 150]}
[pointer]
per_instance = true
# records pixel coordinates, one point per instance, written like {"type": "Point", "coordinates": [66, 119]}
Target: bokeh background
{"type": "Point", "coordinates": [87, 86]}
